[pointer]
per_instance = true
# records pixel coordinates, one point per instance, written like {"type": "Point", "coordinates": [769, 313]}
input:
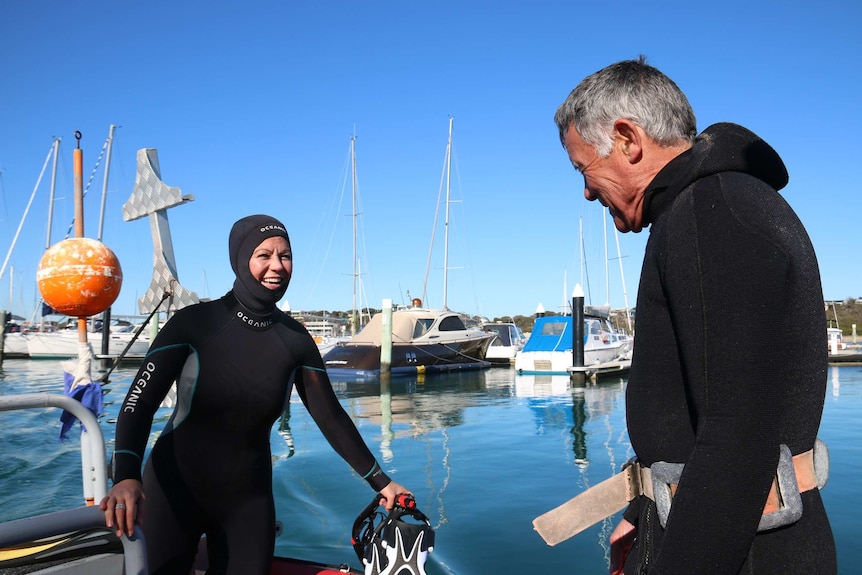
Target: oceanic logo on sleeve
{"type": "Point", "coordinates": [138, 388]}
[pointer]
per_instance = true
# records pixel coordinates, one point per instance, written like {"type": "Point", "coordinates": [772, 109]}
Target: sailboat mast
{"type": "Point", "coordinates": [27, 210]}
{"type": "Point", "coordinates": [582, 254]}
{"type": "Point", "coordinates": [51, 193]}
{"type": "Point", "coordinates": [446, 225]}
{"type": "Point", "coordinates": [109, 145]}
{"type": "Point", "coordinates": [607, 266]}
{"type": "Point", "coordinates": [354, 319]}
{"type": "Point", "coordinates": [623, 279]}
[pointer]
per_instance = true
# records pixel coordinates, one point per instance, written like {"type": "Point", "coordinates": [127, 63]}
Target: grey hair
{"type": "Point", "coordinates": [630, 90]}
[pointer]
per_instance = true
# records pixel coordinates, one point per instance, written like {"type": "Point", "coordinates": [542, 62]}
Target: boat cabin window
{"type": "Point", "coordinates": [452, 323]}
{"type": "Point", "coordinates": [422, 326]}
{"type": "Point", "coordinates": [595, 327]}
{"type": "Point", "coordinates": [554, 328]}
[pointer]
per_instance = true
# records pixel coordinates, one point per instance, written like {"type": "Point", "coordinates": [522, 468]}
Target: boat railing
{"type": "Point", "coordinates": [93, 460]}
{"type": "Point", "coordinates": [40, 527]}
{"type": "Point", "coordinates": [94, 472]}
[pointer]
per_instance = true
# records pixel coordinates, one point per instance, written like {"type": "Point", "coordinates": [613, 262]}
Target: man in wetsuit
{"type": "Point", "coordinates": [234, 361]}
{"type": "Point", "coordinates": [729, 366]}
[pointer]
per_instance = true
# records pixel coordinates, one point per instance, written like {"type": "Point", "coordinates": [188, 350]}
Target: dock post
{"type": "Point", "coordinates": [106, 361]}
{"type": "Point", "coordinates": [154, 327]}
{"type": "Point", "coordinates": [2, 333]}
{"type": "Point", "coordinates": [386, 339]}
{"type": "Point", "coordinates": [578, 374]}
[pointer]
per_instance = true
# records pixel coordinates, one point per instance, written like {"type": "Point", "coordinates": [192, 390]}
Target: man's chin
{"type": "Point", "coordinates": [625, 227]}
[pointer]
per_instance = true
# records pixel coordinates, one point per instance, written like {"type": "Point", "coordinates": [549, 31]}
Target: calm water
{"type": "Point", "coordinates": [484, 452]}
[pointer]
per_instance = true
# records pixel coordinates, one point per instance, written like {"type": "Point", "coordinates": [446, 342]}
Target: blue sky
{"type": "Point", "coordinates": [252, 105]}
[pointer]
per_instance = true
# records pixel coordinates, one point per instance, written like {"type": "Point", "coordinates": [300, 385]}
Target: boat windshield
{"type": "Point", "coordinates": [452, 323]}
{"type": "Point", "coordinates": [422, 326]}
{"type": "Point", "coordinates": [504, 335]}
{"type": "Point", "coordinates": [554, 328]}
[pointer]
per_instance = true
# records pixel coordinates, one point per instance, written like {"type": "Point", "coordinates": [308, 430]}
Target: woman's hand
{"type": "Point", "coordinates": [124, 506]}
{"type": "Point", "coordinates": [390, 492]}
{"type": "Point", "coordinates": [621, 542]}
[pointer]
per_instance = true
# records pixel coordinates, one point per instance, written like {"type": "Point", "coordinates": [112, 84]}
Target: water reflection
{"type": "Point", "coordinates": [285, 433]}
{"type": "Point", "coordinates": [836, 386]}
{"type": "Point", "coordinates": [591, 402]}
{"type": "Point", "coordinates": [415, 406]}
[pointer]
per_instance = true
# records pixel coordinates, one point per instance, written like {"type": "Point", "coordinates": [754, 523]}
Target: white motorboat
{"type": "Point", "coordinates": [508, 342]}
{"type": "Point", "coordinates": [549, 348]}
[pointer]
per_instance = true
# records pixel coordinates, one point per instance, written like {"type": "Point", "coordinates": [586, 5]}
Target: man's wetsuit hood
{"type": "Point", "coordinates": [722, 147]}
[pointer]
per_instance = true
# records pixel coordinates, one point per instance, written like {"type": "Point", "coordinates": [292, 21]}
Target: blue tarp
{"type": "Point", "coordinates": [551, 333]}
{"type": "Point", "coordinates": [90, 395]}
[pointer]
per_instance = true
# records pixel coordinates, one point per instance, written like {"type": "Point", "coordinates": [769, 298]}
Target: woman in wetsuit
{"type": "Point", "coordinates": [235, 361]}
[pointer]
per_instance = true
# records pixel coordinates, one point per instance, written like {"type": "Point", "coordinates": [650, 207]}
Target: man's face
{"type": "Point", "coordinates": [605, 179]}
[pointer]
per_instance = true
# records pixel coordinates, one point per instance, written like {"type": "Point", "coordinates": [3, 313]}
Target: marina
{"type": "Point", "coordinates": [484, 451]}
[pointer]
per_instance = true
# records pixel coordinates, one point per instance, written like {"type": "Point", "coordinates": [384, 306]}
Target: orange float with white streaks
{"type": "Point", "coordinates": [79, 277]}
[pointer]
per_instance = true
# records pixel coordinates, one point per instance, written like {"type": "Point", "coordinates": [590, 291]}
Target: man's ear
{"type": "Point", "coordinates": [629, 140]}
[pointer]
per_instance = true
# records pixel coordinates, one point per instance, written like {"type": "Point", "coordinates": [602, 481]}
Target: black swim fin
{"type": "Point", "coordinates": [393, 544]}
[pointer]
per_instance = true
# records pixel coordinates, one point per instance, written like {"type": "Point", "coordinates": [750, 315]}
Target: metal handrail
{"type": "Point", "coordinates": [95, 469]}
{"type": "Point", "coordinates": [94, 473]}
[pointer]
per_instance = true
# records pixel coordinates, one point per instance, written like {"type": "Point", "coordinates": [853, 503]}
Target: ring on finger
{"type": "Point", "coordinates": [120, 506]}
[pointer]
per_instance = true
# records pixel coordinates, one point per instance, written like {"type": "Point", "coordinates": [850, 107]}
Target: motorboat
{"type": "Point", "coordinates": [549, 347]}
{"type": "Point", "coordinates": [508, 342]}
{"type": "Point", "coordinates": [423, 341]}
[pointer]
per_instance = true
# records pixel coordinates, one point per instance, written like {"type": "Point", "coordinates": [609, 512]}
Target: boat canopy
{"type": "Point", "coordinates": [407, 326]}
{"type": "Point", "coordinates": [550, 333]}
{"type": "Point", "coordinates": [554, 333]}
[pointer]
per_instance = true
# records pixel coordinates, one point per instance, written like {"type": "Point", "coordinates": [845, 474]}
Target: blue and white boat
{"type": "Point", "coordinates": [549, 348]}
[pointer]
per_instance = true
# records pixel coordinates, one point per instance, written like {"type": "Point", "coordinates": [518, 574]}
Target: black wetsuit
{"type": "Point", "coordinates": [729, 362]}
{"type": "Point", "coordinates": [210, 470]}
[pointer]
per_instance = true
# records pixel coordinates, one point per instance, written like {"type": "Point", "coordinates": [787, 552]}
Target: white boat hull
{"type": "Point", "coordinates": [61, 345]}
{"type": "Point", "coordinates": [15, 345]}
{"type": "Point", "coordinates": [561, 361]}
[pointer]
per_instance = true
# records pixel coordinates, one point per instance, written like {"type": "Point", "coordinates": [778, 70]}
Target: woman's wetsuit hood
{"type": "Point", "coordinates": [245, 236]}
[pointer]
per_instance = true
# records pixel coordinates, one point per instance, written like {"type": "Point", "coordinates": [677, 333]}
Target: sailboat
{"type": "Point", "coordinates": [326, 331]}
{"type": "Point", "coordinates": [112, 339]}
{"type": "Point", "coordinates": [15, 342]}
{"type": "Point", "coordinates": [424, 340]}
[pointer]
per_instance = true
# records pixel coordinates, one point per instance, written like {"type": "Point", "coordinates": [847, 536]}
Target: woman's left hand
{"type": "Point", "coordinates": [391, 492]}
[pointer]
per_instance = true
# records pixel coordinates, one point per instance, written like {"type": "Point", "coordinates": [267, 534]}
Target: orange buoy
{"type": "Point", "coordinates": [79, 277]}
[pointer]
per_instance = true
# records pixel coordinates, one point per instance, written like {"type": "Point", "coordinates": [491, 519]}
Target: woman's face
{"type": "Point", "coordinates": [271, 263]}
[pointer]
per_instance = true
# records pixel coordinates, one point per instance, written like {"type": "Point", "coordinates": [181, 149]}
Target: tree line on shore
{"type": "Point", "coordinates": [845, 314]}
{"type": "Point", "coordinates": [838, 314]}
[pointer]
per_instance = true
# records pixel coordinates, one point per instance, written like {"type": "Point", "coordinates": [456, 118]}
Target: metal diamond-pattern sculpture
{"type": "Point", "coordinates": [151, 197]}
